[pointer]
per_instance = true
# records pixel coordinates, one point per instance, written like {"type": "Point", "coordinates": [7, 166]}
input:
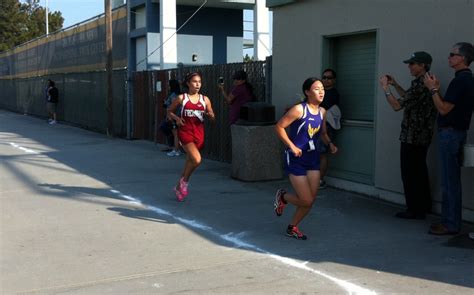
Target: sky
{"type": "Point", "coordinates": [74, 11]}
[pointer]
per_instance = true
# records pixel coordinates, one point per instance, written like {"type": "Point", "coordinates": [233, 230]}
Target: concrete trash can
{"type": "Point", "coordinates": [256, 149]}
{"type": "Point", "coordinates": [257, 114]}
{"type": "Point", "coordinates": [468, 155]}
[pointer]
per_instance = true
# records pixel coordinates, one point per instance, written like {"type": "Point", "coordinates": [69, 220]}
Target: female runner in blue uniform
{"type": "Point", "coordinates": [307, 123]}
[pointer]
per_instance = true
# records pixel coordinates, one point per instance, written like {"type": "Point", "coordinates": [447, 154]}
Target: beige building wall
{"type": "Point", "coordinates": [401, 27]}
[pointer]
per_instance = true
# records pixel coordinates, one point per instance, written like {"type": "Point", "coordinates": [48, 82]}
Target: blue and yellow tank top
{"type": "Point", "coordinates": [305, 131]}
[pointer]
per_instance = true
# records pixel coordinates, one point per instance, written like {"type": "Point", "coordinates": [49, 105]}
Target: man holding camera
{"type": "Point", "coordinates": [417, 126]}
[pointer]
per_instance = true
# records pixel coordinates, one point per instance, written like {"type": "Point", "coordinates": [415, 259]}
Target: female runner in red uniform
{"type": "Point", "coordinates": [194, 106]}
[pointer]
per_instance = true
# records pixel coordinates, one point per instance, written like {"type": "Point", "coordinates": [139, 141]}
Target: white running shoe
{"type": "Point", "coordinates": [173, 153]}
{"type": "Point", "coordinates": [52, 122]}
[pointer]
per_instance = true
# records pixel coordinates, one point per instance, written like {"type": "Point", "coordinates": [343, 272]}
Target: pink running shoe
{"type": "Point", "coordinates": [179, 196]}
{"type": "Point", "coordinates": [183, 187]}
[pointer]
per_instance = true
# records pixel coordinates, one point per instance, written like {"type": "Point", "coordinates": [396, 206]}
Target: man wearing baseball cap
{"type": "Point", "coordinates": [420, 57]}
{"type": "Point", "coordinates": [419, 114]}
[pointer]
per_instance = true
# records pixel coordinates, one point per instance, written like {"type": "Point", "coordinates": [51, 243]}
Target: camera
{"type": "Point", "coordinates": [220, 80]}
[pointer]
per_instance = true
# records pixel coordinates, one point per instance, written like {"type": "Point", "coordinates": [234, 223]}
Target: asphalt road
{"type": "Point", "coordinates": [85, 214]}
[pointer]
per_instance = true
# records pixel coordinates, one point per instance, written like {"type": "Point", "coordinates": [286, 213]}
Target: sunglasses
{"type": "Point", "coordinates": [327, 78]}
{"type": "Point", "coordinates": [451, 54]}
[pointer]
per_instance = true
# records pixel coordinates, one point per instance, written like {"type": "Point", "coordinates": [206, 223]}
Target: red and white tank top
{"type": "Point", "coordinates": [193, 113]}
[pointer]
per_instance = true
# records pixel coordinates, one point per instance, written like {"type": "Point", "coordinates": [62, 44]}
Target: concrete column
{"type": "Point", "coordinates": [168, 38]}
{"type": "Point", "coordinates": [261, 31]}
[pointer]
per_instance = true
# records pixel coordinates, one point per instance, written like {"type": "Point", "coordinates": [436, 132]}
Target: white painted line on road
{"type": "Point", "coordinates": [239, 243]}
{"type": "Point", "coordinates": [22, 148]}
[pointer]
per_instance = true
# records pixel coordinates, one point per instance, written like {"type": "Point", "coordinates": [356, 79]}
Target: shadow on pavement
{"type": "Point", "coordinates": [343, 227]}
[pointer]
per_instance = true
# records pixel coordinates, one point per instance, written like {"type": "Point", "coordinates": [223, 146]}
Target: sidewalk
{"type": "Point", "coordinates": [64, 188]}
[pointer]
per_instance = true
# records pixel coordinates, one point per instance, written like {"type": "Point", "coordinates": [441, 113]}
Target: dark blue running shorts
{"type": "Point", "coordinates": [300, 165]}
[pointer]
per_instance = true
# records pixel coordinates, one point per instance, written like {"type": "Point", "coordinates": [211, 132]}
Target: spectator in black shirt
{"type": "Point", "coordinates": [455, 112]}
{"type": "Point", "coordinates": [52, 101]}
{"type": "Point", "coordinates": [331, 98]}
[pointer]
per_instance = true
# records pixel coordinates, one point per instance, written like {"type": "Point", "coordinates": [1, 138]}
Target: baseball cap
{"type": "Point", "coordinates": [420, 57]}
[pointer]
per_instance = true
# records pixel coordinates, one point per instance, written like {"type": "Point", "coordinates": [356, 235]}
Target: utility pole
{"type": "Point", "coordinates": [47, 26]}
{"type": "Point", "coordinates": [109, 66]}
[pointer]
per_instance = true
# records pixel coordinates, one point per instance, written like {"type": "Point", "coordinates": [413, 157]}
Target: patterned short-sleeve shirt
{"type": "Point", "coordinates": [419, 114]}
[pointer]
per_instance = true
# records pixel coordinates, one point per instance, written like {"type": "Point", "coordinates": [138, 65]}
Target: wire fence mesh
{"type": "Point", "coordinates": [218, 140]}
{"type": "Point", "coordinates": [82, 98]}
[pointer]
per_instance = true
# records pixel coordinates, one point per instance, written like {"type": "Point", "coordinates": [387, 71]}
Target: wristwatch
{"type": "Point", "coordinates": [433, 91]}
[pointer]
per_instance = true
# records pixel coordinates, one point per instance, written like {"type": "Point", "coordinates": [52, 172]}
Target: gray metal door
{"type": "Point", "coordinates": [353, 57]}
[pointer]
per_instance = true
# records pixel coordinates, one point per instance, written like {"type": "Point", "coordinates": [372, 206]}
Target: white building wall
{"type": "Point", "coordinates": [193, 44]}
{"type": "Point", "coordinates": [140, 53]}
{"type": "Point", "coordinates": [234, 49]}
{"type": "Point", "coordinates": [187, 46]}
{"type": "Point", "coordinates": [402, 27]}
{"type": "Point", "coordinates": [261, 39]}
{"type": "Point", "coordinates": [168, 39]}
{"type": "Point", "coordinates": [140, 17]}
{"type": "Point", "coordinates": [153, 51]}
